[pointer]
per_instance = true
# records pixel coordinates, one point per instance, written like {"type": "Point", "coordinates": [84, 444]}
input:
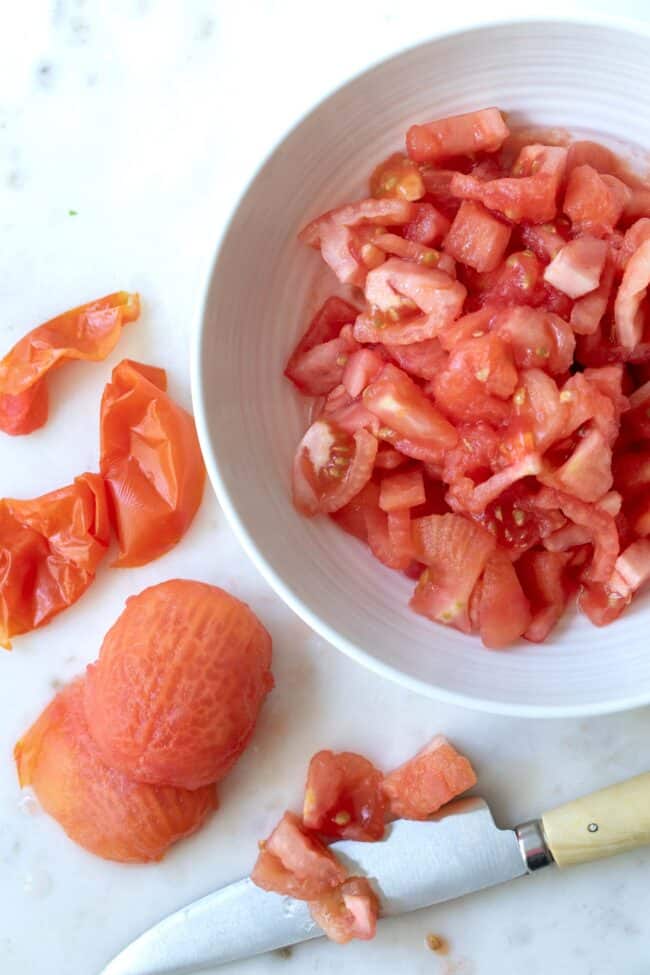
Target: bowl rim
{"type": "Point", "coordinates": [621, 24]}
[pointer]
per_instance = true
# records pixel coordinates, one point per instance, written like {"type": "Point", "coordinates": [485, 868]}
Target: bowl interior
{"type": "Point", "coordinates": [263, 288]}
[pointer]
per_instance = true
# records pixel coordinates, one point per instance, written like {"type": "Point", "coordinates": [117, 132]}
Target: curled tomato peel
{"type": "Point", "coordinates": [50, 548]}
{"type": "Point", "coordinates": [88, 332]}
{"type": "Point", "coordinates": [151, 462]}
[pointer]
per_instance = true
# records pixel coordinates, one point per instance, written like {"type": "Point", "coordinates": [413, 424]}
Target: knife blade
{"type": "Point", "coordinates": [416, 864]}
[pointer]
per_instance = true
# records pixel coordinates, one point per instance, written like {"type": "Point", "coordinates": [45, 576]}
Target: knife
{"type": "Point", "coordinates": [417, 864]}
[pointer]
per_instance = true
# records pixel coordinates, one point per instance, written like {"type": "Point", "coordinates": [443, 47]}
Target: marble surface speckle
{"type": "Point", "coordinates": [127, 131]}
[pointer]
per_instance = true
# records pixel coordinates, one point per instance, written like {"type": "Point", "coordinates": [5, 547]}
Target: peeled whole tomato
{"type": "Point", "coordinates": [174, 696]}
{"type": "Point", "coordinates": [100, 808]}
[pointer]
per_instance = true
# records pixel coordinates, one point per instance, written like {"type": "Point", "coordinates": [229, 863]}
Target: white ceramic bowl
{"type": "Point", "coordinates": [263, 287]}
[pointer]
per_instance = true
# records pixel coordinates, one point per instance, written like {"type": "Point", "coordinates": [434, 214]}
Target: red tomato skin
{"type": "Point", "coordinates": [50, 548]}
{"type": "Point", "coordinates": [151, 461]}
{"type": "Point", "coordinates": [88, 332]}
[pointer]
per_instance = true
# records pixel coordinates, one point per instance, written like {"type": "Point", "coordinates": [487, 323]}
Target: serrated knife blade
{"type": "Point", "coordinates": [416, 864]}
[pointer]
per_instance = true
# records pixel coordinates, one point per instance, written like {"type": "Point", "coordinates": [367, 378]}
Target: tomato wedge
{"type": "Point", "coordinates": [400, 404]}
{"type": "Point", "coordinates": [49, 552]}
{"type": "Point", "coordinates": [88, 332]}
{"type": "Point", "coordinates": [331, 467]}
{"type": "Point", "coordinates": [151, 462]}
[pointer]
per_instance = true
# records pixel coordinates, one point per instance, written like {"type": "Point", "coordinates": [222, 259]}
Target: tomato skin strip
{"type": "Point", "coordinates": [89, 332]}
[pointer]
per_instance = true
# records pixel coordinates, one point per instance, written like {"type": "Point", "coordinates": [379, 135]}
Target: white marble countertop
{"type": "Point", "coordinates": [145, 118]}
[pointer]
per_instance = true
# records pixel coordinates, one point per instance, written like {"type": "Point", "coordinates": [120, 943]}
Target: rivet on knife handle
{"type": "Point", "coordinates": [599, 825]}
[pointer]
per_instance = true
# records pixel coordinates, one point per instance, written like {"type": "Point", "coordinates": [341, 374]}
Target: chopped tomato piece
{"type": "Point", "coordinates": [403, 407]}
{"type": "Point", "coordinates": [331, 467]}
{"type": "Point", "coordinates": [428, 226]}
{"type": "Point", "coordinates": [577, 267]}
{"type": "Point", "coordinates": [350, 911]}
{"type": "Point", "coordinates": [458, 135]}
{"type": "Point", "coordinates": [387, 212]}
{"type": "Point", "coordinates": [399, 535]}
{"type": "Point", "coordinates": [429, 780]}
{"type": "Point", "coordinates": [632, 569]}
{"type": "Point", "coordinates": [474, 498]}
{"type": "Point", "coordinates": [587, 312]}
{"type": "Point", "coordinates": [594, 203]}
{"type": "Point", "coordinates": [631, 292]}
{"type": "Point", "coordinates": [351, 517]}
{"type": "Point", "coordinates": [334, 233]}
{"type": "Point", "coordinates": [542, 578]}
{"type": "Point", "coordinates": [305, 366]}
{"type": "Point", "coordinates": [423, 359]}
{"type": "Point", "coordinates": [504, 611]}
{"type": "Point", "coordinates": [295, 863]}
{"type": "Point", "coordinates": [402, 491]}
{"type": "Point", "coordinates": [599, 523]}
{"type": "Point", "coordinates": [397, 176]}
{"type": "Point", "coordinates": [471, 326]}
{"type": "Point", "coordinates": [151, 461]}
{"type": "Point", "coordinates": [529, 194]}
{"type": "Point", "coordinates": [388, 459]}
{"type": "Point", "coordinates": [539, 339]}
{"type": "Point", "coordinates": [539, 413]}
{"type": "Point", "coordinates": [347, 412]}
{"type": "Point", "coordinates": [409, 250]}
{"type": "Point", "coordinates": [322, 368]}
{"type": "Point", "coordinates": [516, 282]}
{"type": "Point", "coordinates": [480, 375]}
{"type": "Point", "coordinates": [99, 807]}
{"type": "Point", "coordinates": [544, 240]}
{"type": "Point", "coordinates": [455, 552]}
{"type": "Point", "coordinates": [592, 154]}
{"type": "Point", "coordinates": [49, 552]}
{"type": "Point", "coordinates": [343, 797]}
{"type": "Point", "coordinates": [587, 474]}
{"type": "Point", "coordinates": [401, 285]}
{"type": "Point", "coordinates": [634, 236]}
{"type": "Point", "coordinates": [517, 522]}
{"type": "Point", "coordinates": [360, 369]}
{"type": "Point", "coordinates": [88, 332]}
{"type": "Point", "coordinates": [571, 535]}
{"type": "Point", "coordinates": [632, 471]}
{"type": "Point", "coordinates": [477, 238]}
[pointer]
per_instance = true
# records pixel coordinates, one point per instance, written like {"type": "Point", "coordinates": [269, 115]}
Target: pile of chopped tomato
{"type": "Point", "coordinates": [483, 412]}
{"type": "Point", "coordinates": [346, 797]}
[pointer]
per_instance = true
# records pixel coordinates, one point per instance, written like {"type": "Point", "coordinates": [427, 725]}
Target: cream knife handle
{"type": "Point", "coordinates": [602, 824]}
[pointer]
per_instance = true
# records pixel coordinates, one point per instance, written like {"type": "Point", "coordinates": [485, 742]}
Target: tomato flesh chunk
{"type": "Point", "coordinates": [455, 551]}
{"type": "Point", "coordinates": [343, 797]}
{"type": "Point", "coordinates": [429, 780]}
{"type": "Point", "coordinates": [400, 404]}
{"type": "Point", "coordinates": [476, 237]}
{"type": "Point", "coordinates": [577, 267]}
{"type": "Point", "coordinates": [295, 863]}
{"type": "Point", "coordinates": [457, 135]}
{"type": "Point", "coordinates": [349, 912]}
{"type": "Point", "coordinates": [504, 610]}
